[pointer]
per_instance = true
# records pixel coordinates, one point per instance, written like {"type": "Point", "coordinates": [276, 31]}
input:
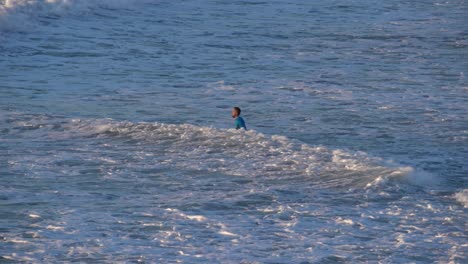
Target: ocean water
{"type": "Point", "coordinates": [117, 144]}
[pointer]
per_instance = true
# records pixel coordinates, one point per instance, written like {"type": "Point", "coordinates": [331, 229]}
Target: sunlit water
{"type": "Point", "coordinates": [117, 143]}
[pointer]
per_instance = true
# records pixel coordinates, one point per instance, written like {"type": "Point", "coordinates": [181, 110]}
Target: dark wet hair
{"type": "Point", "coordinates": [238, 110]}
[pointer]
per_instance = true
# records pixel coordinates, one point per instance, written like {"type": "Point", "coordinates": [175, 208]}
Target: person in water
{"type": "Point", "coordinates": [238, 120]}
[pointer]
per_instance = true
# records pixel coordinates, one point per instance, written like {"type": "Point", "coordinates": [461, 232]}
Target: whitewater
{"type": "Point", "coordinates": [117, 144]}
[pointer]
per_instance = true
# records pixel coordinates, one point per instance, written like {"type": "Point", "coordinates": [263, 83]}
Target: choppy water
{"type": "Point", "coordinates": [117, 142]}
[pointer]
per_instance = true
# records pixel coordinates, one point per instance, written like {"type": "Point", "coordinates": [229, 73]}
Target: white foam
{"type": "Point", "coordinates": [15, 257]}
{"type": "Point", "coordinates": [34, 216]}
{"type": "Point", "coordinates": [420, 177]}
{"type": "Point", "coordinates": [108, 160]}
{"type": "Point", "coordinates": [21, 15]}
{"type": "Point", "coordinates": [55, 228]}
{"type": "Point", "coordinates": [220, 150]}
{"type": "Point", "coordinates": [197, 218]}
{"type": "Point", "coordinates": [153, 224]}
{"type": "Point", "coordinates": [18, 241]}
{"type": "Point", "coordinates": [226, 233]}
{"type": "Point", "coordinates": [343, 221]}
{"type": "Point", "coordinates": [462, 197]}
{"type": "Point", "coordinates": [222, 86]}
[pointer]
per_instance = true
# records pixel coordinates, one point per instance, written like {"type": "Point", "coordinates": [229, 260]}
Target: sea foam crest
{"type": "Point", "coordinates": [20, 15]}
{"type": "Point", "coordinates": [462, 197]}
{"type": "Point", "coordinates": [247, 153]}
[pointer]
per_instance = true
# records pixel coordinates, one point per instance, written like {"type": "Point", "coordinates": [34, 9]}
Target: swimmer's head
{"type": "Point", "coordinates": [235, 112]}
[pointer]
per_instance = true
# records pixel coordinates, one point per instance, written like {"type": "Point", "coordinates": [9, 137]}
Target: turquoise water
{"type": "Point", "coordinates": [118, 145]}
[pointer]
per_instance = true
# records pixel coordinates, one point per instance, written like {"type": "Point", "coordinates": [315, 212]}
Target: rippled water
{"type": "Point", "coordinates": [117, 141]}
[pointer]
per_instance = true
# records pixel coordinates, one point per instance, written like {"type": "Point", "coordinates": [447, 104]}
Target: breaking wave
{"type": "Point", "coordinates": [462, 197]}
{"type": "Point", "coordinates": [21, 15]}
{"type": "Point", "coordinates": [233, 152]}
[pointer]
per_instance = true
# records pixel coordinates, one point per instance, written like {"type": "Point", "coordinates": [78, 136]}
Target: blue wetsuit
{"type": "Point", "coordinates": [240, 123]}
